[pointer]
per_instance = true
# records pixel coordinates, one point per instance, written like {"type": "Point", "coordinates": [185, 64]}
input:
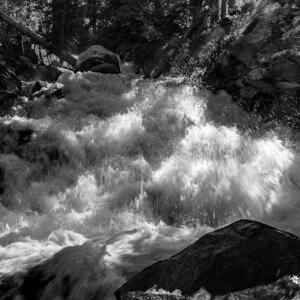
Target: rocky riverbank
{"type": "Point", "coordinates": [260, 66]}
{"type": "Point", "coordinates": [244, 260]}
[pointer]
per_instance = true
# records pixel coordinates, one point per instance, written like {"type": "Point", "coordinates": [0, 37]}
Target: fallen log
{"type": "Point", "coordinates": [38, 39]}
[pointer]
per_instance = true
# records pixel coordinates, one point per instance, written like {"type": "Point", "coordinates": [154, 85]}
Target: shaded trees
{"type": "Point", "coordinates": [133, 28]}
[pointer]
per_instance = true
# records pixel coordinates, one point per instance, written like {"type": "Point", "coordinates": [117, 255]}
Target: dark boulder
{"type": "Point", "coordinates": [105, 64]}
{"type": "Point", "coordinates": [239, 256]}
{"type": "Point", "coordinates": [98, 59]}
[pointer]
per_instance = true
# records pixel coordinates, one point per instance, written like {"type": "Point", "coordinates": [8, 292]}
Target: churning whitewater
{"type": "Point", "coordinates": [142, 167]}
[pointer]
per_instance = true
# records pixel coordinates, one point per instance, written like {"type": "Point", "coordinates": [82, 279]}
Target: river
{"type": "Point", "coordinates": [143, 167]}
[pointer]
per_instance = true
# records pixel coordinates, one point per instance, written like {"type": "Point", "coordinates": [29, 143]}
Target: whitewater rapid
{"type": "Point", "coordinates": [142, 167]}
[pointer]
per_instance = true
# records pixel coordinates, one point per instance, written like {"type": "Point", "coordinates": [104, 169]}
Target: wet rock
{"type": "Point", "coordinates": [242, 255]}
{"type": "Point", "coordinates": [37, 86]}
{"type": "Point", "coordinates": [287, 287]}
{"type": "Point", "coordinates": [98, 59]}
{"type": "Point", "coordinates": [30, 89]}
{"type": "Point", "coordinates": [150, 296]}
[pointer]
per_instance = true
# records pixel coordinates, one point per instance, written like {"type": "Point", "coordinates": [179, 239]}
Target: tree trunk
{"type": "Point", "coordinates": [37, 38]}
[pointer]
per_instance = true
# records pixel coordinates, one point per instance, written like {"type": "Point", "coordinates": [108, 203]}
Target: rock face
{"type": "Point", "coordinates": [261, 66]}
{"type": "Point", "coordinates": [242, 255]}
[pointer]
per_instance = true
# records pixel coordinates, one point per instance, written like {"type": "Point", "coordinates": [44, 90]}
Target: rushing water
{"type": "Point", "coordinates": [145, 167]}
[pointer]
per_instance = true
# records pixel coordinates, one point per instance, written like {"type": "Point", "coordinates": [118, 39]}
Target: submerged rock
{"type": "Point", "coordinates": [242, 255]}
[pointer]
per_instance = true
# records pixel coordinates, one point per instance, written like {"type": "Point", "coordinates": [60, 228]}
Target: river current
{"type": "Point", "coordinates": [144, 167]}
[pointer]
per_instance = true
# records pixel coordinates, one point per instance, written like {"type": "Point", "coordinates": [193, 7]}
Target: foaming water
{"type": "Point", "coordinates": [138, 169]}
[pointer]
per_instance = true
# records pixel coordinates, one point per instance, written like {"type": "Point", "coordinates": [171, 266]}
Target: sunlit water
{"type": "Point", "coordinates": [140, 167]}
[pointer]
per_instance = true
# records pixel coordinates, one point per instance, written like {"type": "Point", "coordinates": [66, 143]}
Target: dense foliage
{"type": "Point", "coordinates": [119, 25]}
{"type": "Point", "coordinates": [128, 27]}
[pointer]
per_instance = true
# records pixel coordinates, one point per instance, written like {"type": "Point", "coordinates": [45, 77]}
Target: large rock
{"type": "Point", "coordinates": [242, 255]}
{"type": "Point", "coordinates": [260, 66]}
{"type": "Point", "coordinates": [98, 59]}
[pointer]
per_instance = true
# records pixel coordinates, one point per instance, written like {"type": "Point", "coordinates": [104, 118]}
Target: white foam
{"type": "Point", "coordinates": [144, 168]}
